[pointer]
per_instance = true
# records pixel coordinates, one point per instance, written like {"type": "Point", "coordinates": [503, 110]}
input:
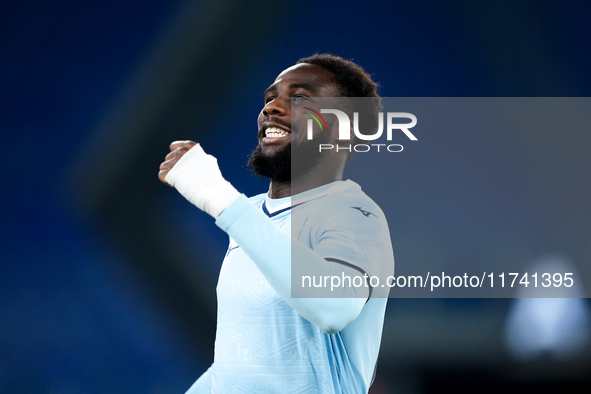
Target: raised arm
{"type": "Point", "coordinates": [197, 177]}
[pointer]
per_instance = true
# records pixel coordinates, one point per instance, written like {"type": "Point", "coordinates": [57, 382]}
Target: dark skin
{"type": "Point", "coordinates": [298, 83]}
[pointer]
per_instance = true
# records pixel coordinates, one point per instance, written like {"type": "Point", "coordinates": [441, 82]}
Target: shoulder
{"type": "Point", "coordinates": [348, 203]}
{"type": "Point", "coordinates": [345, 212]}
{"type": "Point", "coordinates": [354, 198]}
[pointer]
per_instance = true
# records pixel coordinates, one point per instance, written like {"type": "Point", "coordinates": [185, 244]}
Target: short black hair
{"type": "Point", "coordinates": [351, 80]}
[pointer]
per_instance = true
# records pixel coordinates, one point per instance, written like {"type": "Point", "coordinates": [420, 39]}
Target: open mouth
{"type": "Point", "coordinates": [275, 132]}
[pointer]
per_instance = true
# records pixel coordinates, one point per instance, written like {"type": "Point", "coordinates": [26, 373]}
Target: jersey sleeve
{"type": "Point", "coordinates": [274, 251]}
{"type": "Point", "coordinates": [354, 232]}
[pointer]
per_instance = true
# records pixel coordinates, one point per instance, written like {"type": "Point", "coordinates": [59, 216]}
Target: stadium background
{"type": "Point", "coordinates": [107, 277]}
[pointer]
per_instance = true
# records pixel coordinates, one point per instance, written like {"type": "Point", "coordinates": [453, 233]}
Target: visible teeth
{"type": "Point", "coordinates": [275, 132]}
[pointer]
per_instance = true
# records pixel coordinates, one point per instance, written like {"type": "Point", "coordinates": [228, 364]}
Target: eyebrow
{"type": "Point", "coordinates": [309, 87]}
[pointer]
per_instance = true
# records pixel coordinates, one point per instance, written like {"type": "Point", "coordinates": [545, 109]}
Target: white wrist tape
{"type": "Point", "coordinates": [198, 178]}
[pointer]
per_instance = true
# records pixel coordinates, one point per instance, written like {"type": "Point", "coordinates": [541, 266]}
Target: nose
{"type": "Point", "coordinates": [275, 107]}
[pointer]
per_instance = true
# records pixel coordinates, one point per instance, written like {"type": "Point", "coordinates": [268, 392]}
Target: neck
{"type": "Point", "coordinates": [278, 189]}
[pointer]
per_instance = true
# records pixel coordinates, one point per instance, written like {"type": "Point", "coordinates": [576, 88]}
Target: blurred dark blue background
{"type": "Point", "coordinates": [107, 277]}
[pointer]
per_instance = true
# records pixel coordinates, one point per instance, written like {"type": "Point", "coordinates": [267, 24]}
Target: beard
{"type": "Point", "coordinates": [277, 167]}
{"type": "Point", "coordinates": [280, 166]}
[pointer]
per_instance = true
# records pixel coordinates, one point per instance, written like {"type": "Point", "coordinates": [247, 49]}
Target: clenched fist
{"type": "Point", "coordinates": [196, 175]}
{"type": "Point", "coordinates": [177, 150]}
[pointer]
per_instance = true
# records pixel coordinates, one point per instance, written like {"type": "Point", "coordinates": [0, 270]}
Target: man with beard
{"type": "Point", "coordinates": [267, 340]}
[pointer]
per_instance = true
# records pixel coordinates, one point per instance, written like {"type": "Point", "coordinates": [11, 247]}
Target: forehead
{"type": "Point", "coordinates": [316, 77]}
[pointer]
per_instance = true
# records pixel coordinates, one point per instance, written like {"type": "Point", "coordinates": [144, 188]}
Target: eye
{"type": "Point", "coordinates": [298, 100]}
{"type": "Point", "coordinates": [268, 99]}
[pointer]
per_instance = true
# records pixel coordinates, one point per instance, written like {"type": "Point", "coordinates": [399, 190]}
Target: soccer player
{"type": "Point", "coordinates": [268, 341]}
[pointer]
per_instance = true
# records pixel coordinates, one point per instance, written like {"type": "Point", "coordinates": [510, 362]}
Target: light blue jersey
{"type": "Point", "coordinates": [263, 344]}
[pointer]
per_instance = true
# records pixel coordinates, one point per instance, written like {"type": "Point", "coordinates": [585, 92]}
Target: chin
{"type": "Point", "coordinates": [273, 149]}
{"type": "Point", "coordinates": [271, 162]}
